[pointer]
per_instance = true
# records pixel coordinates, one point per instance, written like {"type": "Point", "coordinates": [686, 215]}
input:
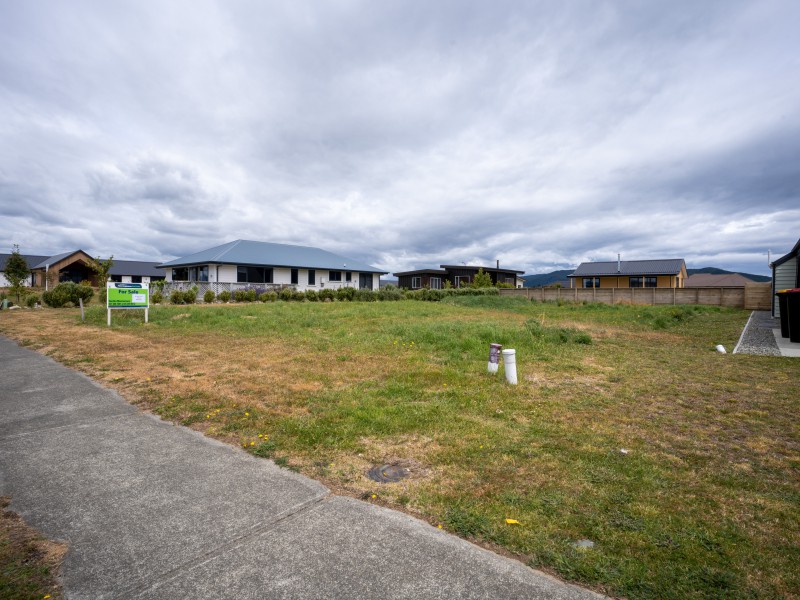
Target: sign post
{"type": "Point", "coordinates": [127, 295]}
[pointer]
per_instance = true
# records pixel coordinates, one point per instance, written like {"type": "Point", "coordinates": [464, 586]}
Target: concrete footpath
{"type": "Point", "coordinates": [153, 510]}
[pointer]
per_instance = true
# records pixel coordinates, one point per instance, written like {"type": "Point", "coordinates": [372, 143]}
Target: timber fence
{"type": "Point", "coordinates": [756, 296]}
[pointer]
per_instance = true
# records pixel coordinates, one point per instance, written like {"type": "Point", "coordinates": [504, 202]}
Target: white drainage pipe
{"type": "Point", "coordinates": [510, 364]}
{"type": "Point", "coordinates": [494, 358]}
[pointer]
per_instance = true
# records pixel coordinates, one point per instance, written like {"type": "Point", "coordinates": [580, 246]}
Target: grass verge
{"type": "Point", "coordinates": [28, 562]}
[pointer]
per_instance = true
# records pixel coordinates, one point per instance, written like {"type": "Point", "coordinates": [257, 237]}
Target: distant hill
{"type": "Point", "coordinates": [543, 279]}
{"type": "Point", "coordinates": [716, 271]}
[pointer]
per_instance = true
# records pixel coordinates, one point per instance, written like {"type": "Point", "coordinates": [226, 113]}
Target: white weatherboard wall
{"type": "Point", "coordinates": [784, 279]}
{"type": "Point", "coordinates": [283, 275]}
{"type": "Point", "coordinates": [4, 282]}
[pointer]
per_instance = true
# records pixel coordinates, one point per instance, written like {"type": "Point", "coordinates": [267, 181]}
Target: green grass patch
{"type": "Point", "coordinates": [627, 428]}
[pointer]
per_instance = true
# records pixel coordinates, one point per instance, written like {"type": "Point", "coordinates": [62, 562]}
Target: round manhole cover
{"type": "Point", "coordinates": [387, 473]}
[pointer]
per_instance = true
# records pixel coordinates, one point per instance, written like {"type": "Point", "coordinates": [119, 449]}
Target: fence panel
{"type": "Point", "coordinates": [758, 299]}
{"type": "Point", "coordinates": [758, 296]}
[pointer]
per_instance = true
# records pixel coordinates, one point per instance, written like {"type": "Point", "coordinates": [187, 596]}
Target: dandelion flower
{"type": "Point", "coordinates": [261, 435]}
{"type": "Point", "coordinates": [439, 526]}
{"type": "Point", "coordinates": [513, 522]}
{"type": "Point", "coordinates": [374, 496]}
{"type": "Point", "coordinates": [247, 414]}
{"type": "Point", "coordinates": [252, 443]}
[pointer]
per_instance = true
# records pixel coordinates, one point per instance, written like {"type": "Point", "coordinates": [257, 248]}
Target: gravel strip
{"type": "Point", "coordinates": [757, 337]}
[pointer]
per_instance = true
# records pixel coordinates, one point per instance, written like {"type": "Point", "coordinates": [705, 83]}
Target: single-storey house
{"type": "Point", "coordinates": [74, 266]}
{"type": "Point", "coordinates": [30, 260]}
{"type": "Point", "coordinates": [661, 273]}
{"type": "Point", "coordinates": [723, 280]}
{"type": "Point", "coordinates": [457, 275]}
{"type": "Point", "coordinates": [264, 263]}
{"type": "Point", "coordinates": [785, 275]}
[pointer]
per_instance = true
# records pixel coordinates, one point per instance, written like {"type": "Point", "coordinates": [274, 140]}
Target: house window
{"type": "Point", "coordinates": [416, 283]}
{"type": "Point", "coordinates": [295, 276]}
{"type": "Point", "coordinates": [198, 273]}
{"type": "Point", "coordinates": [348, 276]}
{"type": "Point", "coordinates": [136, 279]}
{"type": "Point", "coordinates": [462, 281]}
{"type": "Point", "coordinates": [591, 282]}
{"type": "Point", "coordinates": [115, 278]}
{"type": "Point", "coordinates": [253, 275]}
{"type": "Point", "coordinates": [651, 282]}
{"type": "Point", "coordinates": [312, 277]}
{"type": "Point", "coordinates": [436, 283]}
{"type": "Point", "coordinates": [635, 282]}
{"type": "Point", "coordinates": [334, 275]}
{"type": "Point", "coordinates": [180, 274]}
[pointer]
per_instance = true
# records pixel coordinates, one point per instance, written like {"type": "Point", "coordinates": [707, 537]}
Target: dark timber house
{"type": "Point", "coordinates": [457, 275]}
{"type": "Point", "coordinates": [785, 275]}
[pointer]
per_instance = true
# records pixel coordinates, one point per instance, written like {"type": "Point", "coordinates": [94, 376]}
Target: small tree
{"type": "Point", "coordinates": [16, 273]}
{"type": "Point", "coordinates": [101, 268]}
{"type": "Point", "coordinates": [482, 280]}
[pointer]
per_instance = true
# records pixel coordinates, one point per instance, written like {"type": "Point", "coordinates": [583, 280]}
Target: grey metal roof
{"type": "Point", "coordinates": [50, 260]}
{"type": "Point", "coordinates": [268, 254]}
{"type": "Point", "coordinates": [120, 267]}
{"type": "Point", "coordinates": [30, 259]}
{"type": "Point", "coordinates": [670, 266]}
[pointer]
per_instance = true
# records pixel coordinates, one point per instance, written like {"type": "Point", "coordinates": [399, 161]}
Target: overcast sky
{"type": "Point", "coordinates": [405, 134]}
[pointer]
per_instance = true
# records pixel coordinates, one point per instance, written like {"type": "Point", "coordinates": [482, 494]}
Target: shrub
{"type": "Point", "coordinates": [176, 297]}
{"type": "Point", "coordinates": [311, 295]}
{"type": "Point", "coordinates": [250, 295]}
{"type": "Point", "coordinates": [32, 300]}
{"type": "Point", "coordinates": [189, 296]}
{"type": "Point", "coordinates": [327, 294]}
{"type": "Point", "coordinates": [67, 292]}
{"type": "Point", "coordinates": [209, 296]}
{"type": "Point", "coordinates": [366, 295]}
{"type": "Point", "coordinates": [298, 296]}
{"type": "Point", "coordinates": [390, 293]}
{"type": "Point", "coordinates": [239, 296]}
{"type": "Point", "coordinates": [285, 294]}
{"type": "Point", "coordinates": [345, 293]}
{"type": "Point", "coordinates": [157, 297]}
{"type": "Point", "coordinates": [225, 296]}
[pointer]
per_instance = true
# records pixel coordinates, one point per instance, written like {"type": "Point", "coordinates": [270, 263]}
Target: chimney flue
{"type": "Point", "coordinates": [498, 263]}
{"type": "Point", "coordinates": [619, 263]}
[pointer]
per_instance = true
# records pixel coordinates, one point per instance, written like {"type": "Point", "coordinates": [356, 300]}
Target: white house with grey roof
{"type": "Point", "coordinates": [265, 264]}
{"type": "Point", "coordinates": [660, 273]}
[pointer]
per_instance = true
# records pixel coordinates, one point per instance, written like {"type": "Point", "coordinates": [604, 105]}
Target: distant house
{"type": "Point", "coordinates": [727, 280]}
{"type": "Point", "coordinates": [74, 266]}
{"type": "Point", "coordinates": [457, 275]}
{"type": "Point", "coordinates": [662, 273]}
{"type": "Point", "coordinates": [30, 260]}
{"type": "Point", "coordinates": [266, 263]}
{"type": "Point", "coordinates": [785, 275]}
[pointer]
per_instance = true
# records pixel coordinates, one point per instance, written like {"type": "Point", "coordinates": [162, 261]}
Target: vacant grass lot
{"type": "Point", "coordinates": [704, 501]}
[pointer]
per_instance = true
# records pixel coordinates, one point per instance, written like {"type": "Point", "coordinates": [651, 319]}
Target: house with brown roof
{"type": "Point", "coordinates": [661, 273]}
{"type": "Point", "coordinates": [726, 280]}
